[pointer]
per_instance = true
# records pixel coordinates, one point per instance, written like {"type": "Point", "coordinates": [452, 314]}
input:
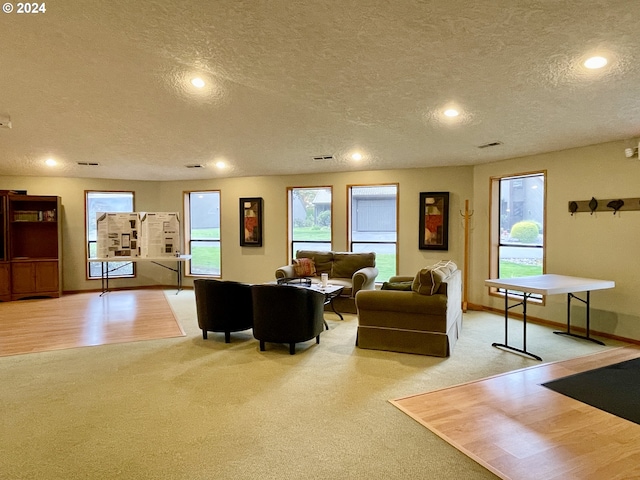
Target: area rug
{"type": "Point", "coordinates": [85, 319]}
{"type": "Point", "coordinates": [614, 388]}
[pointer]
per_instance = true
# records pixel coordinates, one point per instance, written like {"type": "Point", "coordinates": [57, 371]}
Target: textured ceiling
{"type": "Point", "coordinates": [109, 83]}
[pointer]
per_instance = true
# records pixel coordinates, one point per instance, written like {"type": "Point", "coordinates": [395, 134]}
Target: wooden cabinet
{"type": "Point", "coordinates": [33, 246]}
{"type": "Point", "coordinates": [34, 278]}
{"type": "Point", "coordinates": [5, 279]}
{"type": "Point", "coordinates": [5, 282]}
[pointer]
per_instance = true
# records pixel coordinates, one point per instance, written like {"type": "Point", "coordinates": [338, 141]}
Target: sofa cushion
{"type": "Point", "coordinates": [322, 260]}
{"type": "Point", "coordinates": [404, 286]}
{"type": "Point", "coordinates": [427, 281]}
{"type": "Point", "coordinates": [304, 267]}
{"type": "Point", "coordinates": [345, 264]}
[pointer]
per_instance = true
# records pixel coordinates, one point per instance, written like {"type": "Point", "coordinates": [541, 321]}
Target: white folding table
{"type": "Point", "coordinates": [105, 270]}
{"type": "Point", "coordinates": [548, 284]}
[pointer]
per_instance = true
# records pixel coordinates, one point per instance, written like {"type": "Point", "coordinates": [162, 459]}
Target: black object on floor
{"type": "Point", "coordinates": [614, 388]}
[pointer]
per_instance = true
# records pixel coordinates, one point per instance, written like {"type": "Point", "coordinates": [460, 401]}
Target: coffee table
{"type": "Point", "coordinates": [330, 292]}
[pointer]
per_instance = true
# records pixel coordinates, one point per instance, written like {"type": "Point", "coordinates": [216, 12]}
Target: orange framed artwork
{"type": "Point", "coordinates": [434, 221]}
{"type": "Point", "coordinates": [251, 222]}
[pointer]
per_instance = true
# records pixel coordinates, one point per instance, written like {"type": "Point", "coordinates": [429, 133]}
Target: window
{"type": "Point", "coordinates": [202, 232]}
{"type": "Point", "coordinates": [309, 219]}
{"type": "Point", "coordinates": [373, 225]}
{"type": "Point", "coordinates": [95, 202]}
{"type": "Point", "coordinates": [518, 206]}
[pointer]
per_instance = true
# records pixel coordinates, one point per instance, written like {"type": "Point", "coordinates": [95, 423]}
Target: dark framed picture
{"type": "Point", "coordinates": [251, 222]}
{"type": "Point", "coordinates": [434, 221]}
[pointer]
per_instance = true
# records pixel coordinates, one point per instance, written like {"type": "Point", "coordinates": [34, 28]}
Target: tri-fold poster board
{"type": "Point", "coordinates": [138, 234]}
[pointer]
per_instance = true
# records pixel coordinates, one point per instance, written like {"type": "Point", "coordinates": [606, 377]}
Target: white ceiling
{"type": "Point", "coordinates": [109, 82]}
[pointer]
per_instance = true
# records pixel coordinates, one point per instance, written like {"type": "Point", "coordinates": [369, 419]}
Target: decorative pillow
{"type": "Point", "coordinates": [447, 267]}
{"type": "Point", "coordinates": [428, 280]}
{"type": "Point", "coordinates": [322, 260]}
{"type": "Point", "coordinates": [405, 286]}
{"type": "Point", "coordinates": [304, 267]}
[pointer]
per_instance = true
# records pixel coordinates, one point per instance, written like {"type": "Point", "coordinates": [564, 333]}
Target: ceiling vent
{"type": "Point", "coordinates": [195, 165]}
{"type": "Point", "coordinates": [323, 158]}
{"type": "Point", "coordinates": [88, 164]}
{"type": "Point", "coordinates": [492, 144]}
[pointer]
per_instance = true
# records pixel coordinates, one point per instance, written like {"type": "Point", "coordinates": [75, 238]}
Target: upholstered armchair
{"type": "Point", "coordinates": [223, 306]}
{"type": "Point", "coordinates": [286, 314]}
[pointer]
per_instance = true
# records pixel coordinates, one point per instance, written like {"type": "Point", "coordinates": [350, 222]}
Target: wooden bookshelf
{"type": "Point", "coordinates": [34, 252]}
{"type": "Point", "coordinates": [5, 275]}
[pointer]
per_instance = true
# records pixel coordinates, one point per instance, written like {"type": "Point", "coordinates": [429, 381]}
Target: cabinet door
{"type": "Point", "coordinates": [5, 284]}
{"type": "Point", "coordinates": [23, 278]}
{"type": "Point", "coordinates": [46, 276]}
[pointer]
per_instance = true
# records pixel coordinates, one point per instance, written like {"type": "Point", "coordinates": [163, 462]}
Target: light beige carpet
{"type": "Point", "coordinates": [85, 319]}
{"type": "Point", "coordinates": [188, 408]}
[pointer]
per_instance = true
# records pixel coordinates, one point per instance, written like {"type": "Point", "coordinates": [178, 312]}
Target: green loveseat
{"type": "Point", "coordinates": [353, 271]}
{"type": "Point", "coordinates": [425, 319]}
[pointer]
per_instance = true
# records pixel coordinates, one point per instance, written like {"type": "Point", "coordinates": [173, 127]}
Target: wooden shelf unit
{"type": "Point", "coordinates": [5, 271]}
{"type": "Point", "coordinates": [33, 246]}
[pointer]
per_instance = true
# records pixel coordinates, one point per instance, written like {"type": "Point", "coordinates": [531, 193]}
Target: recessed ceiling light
{"type": "Point", "coordinates": [356, 156]}
{"type": "Point", "coordinates": [595, 62]}
{"type": "Point", "coordinates": [220, 164]}
{"type": "Point", "coordinates": [50, 162]}
{"type": "Point", "coordinates": [197, 82]}
{"type": "Point", "coordinates": [451, 112]}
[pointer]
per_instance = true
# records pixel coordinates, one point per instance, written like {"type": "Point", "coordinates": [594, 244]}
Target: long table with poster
{"type": "Point", "coordinates": [122, 261]}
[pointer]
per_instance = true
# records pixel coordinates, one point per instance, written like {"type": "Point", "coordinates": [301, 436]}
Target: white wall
{"type": "Point", "coordinates": [600, 246]}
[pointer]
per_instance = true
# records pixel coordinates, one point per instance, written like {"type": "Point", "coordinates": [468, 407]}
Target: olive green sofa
{"type": "Point", "coordinates": [353, 271]}
{"type": "Point", "coordinates": [425, 318]}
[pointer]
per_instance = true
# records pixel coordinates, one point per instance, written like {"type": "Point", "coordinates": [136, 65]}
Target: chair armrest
{"type": "Point", "coordinates": [286, 271]}
{"type": "Point", "coordinates": [364, 279]}
{"type": "Point", "coordinates": [401, 278]}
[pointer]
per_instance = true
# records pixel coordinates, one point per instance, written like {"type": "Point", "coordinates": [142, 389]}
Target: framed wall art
{"type": "Point", "coordinates": [434, 221]}
{"type": "Point", "coordinates": [251, 222]}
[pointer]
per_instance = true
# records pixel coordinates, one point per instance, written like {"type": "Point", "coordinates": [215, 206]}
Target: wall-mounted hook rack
{"type": "Point", "coordinates": [611, 205]}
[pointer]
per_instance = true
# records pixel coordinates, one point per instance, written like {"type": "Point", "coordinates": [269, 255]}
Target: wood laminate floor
{"type": "Point", "coordinates": [519, 429]}
{"type": "Point", "coordinates": [85, 319]}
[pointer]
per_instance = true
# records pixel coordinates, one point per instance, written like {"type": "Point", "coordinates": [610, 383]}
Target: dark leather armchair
{"type": "Point", "coordinates": [286, 314]}
{"type": "Point", "coordinates": [223, 306]}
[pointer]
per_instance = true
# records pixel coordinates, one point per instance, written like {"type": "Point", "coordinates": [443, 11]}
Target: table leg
{"type": "Point", "coordinates": [524, 326]}
{"type": "Point", "coordinates": [334, 308]}
{"type": "Point", "coordinates": [179, 270]}
{"type": "Point", "coordinates": [568, 332]}
{"type": "Point", "coordinates": [104, 277]}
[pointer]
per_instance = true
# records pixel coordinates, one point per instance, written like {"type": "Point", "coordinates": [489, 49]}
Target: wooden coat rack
{"type": "Point", "coordinates": [467, 214]}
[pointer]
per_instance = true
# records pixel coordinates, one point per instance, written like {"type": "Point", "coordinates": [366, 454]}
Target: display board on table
{"type": "Point", "coordinates": [138, 234]}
